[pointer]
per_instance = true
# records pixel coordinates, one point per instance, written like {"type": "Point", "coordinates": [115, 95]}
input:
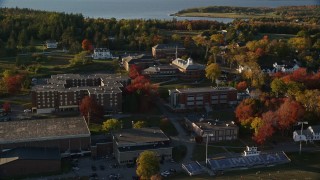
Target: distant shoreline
{"type": "Point", "coordinates": [251, 12]}
{"type": "Point", "coordinates": [219, 15]}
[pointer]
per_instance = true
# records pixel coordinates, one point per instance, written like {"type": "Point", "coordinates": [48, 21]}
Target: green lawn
{"type": "Point", "coordinates": [59, 63]}
{"type": "Point", "coordinates": [152, 121]}
{"type": "Point", "coordinates": [199, 152]}
{"type": "Point", "coordinates": [16, 100]}
{"type": "Point", "coordinates": [233, 143]}
{"type": "Point", "coordinates": [223, 115]}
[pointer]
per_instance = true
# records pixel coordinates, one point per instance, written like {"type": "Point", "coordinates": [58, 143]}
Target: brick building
{"type": "Point", "coordinates": [203, 97]}
{"type": "Point", "coordinates": [188, 70]}
{"type": "Point", "coordinates": [129, 143]}
{"type": "Point", "coordinates": [64, 92]}
{"type": "Point", "coordinates": [101, 145]}
{"type": "Point", "coordinates": [214, 130]}
{"type": "Point", "coordinates": [143, 61]}
{"type": "Point", "coordinates": [168, 50]}
{"type": "Point", "coordinates": [69, 135]}
{"type": "Point", "coordinates": [162, 72]}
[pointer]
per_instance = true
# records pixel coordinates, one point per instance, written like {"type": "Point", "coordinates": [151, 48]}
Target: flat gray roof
{"type": "Point", "coordinates": [204, 89]}
{"type": "Point", "coordinates": [141, 135]}
{"type": "Point", "coordinates": [43, 129]}
{"type": "Point", "coordinates": [58, 82]}
{"type": "Point", "coordinates": [213, 126]}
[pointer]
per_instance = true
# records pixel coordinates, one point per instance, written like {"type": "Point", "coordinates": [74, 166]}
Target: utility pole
{"type": "Point", "coordinates": [207, 150]}
{"type": "Point", "coordinates": [304, 122]}
{"type": "Point", "coordinates": [176, 52]}
{"type": "Point", "coordinates": [89, 117]}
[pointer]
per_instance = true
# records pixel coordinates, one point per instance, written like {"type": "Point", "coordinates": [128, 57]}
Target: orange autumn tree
{"type": "Point", "coordinates": [242, 86]}
{"type": "Point", "coordinates": [267, 115]}
{"type": "Point", "coordinates": [289, 113]}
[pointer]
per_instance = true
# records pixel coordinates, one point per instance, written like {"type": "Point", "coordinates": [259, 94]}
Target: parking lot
{"type": "Point", "coordinates": [107, 169]}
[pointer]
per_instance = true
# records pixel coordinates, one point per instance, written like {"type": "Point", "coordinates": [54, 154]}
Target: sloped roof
{"type": "Point", "coordinates": [187, 64]}
{"type": "Point", "coordinates": [168, 46]}
{"type": "Point", "coordinates": [137, 57]}
{"type": "Point", "coordinates": [29, 154]}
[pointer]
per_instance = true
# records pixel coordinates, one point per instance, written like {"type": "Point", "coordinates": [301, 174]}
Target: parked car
{"type": "Point", "coordinates": [165, 173]}
{"type": "Point", "coordinates": [75, 168]}
{"type": "Point", "coordinates": [27, 110]}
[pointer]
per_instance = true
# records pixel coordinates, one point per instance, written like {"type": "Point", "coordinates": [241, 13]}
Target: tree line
{"type": "Point", "coordinates": [22, 28]}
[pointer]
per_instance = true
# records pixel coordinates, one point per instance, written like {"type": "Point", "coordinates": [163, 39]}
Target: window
{"type": "Point", "coordinates": [190, 103]}
{"type": "Point", "coordinates": [223, 96]}
{"type": "Point", "coordinates": [190, 98]}
{"type": "Point", "coordinates": [199, 102]}
{"type": "Point", "coordinates": [215, 102]}
{"type": "Point", "coordinates": [214, 97]}
{"type": "Point", "coordinates": [223, 101]}
{"type": "Point", "coordinates": [199, 97]}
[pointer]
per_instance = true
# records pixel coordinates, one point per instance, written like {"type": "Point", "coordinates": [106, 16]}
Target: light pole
{"type": "Point", "coordinates": [207, 142]}
{"type": "Point", "coordinates": [304, 122]}
{"type": "Point", "coordinates": [207, 150]}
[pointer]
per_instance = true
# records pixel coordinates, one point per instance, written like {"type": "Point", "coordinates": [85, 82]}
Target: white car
{"type": "Point", "coordinates": [27, 110]}
{"type": "Point", "coordinates": [165, 173]}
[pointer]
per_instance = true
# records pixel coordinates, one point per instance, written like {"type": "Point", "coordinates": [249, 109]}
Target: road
{"type": "Point", "coordinates": [183, 138]}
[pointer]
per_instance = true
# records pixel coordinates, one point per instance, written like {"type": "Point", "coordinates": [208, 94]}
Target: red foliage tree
{"type": "Point", "coordinates": [247, 109]}
{"type": "Point", "coordinates": [6, 107]}
{"type": "Point", "coordinates": [87, 45]}
{"type": "Point", "coordinates": [143, 90]}
{"type": "Point", "coordinates": [242, 86]}
{"type": "Point", "coordinates": [198, 139]}
{"type": "Point", "coordinates": [270, 117]}
{"type": "Point", "coordinates": [264, 131]}
{"type": "Point", "coordinates": [142, 85]}
{"type": "Point", "coordinates": [289, 113]}
{"type": "Point", "coordinates": [259, 52]}
{"type": "Point", "coordinates": [300, 75]}
{"type": "Point", "coordinates": [134, 71]}
{"type": "Point", "coordinates": [278, 74]}
{"type": "Point", "coordinates": [13, 83]}
{"type": "Point", "coordinates": [310, 80]}
{"type": "Point", "coordinates": [265, 127]}
{"type": "Point", "coordinates": [90, 108]}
